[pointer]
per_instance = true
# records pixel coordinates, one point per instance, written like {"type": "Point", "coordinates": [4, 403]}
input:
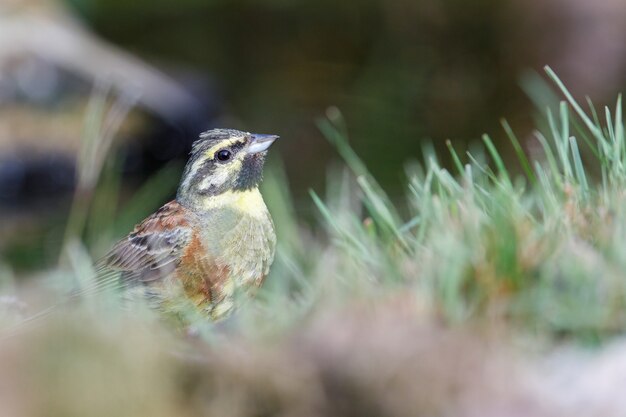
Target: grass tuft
{"type": "Point", "coordinates": [383, 307]}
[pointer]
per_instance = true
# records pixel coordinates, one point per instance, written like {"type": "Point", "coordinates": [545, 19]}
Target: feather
{"type": "Point", "coordinates": [146, 255]}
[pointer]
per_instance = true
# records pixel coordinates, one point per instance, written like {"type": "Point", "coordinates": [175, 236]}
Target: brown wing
{"type": "Point", "coordinates": [150, 252]}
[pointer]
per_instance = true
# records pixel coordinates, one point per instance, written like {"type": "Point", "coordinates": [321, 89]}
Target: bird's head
{"type": "Point", "coordinates": [224, 160]}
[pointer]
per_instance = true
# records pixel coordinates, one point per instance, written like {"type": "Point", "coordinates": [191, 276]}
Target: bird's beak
{"type": "Point", "coordinates": [260, 143]}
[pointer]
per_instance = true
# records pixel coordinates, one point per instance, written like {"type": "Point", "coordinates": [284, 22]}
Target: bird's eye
{"type": "Point", "coordinates": [223, 155]}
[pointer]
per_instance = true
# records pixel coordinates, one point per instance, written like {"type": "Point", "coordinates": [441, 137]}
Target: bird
{"type": "Point", "coordinates": [216, 239]}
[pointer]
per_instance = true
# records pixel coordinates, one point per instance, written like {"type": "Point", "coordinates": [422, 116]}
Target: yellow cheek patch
{"type": "Point", "coordinates": [221, 174]}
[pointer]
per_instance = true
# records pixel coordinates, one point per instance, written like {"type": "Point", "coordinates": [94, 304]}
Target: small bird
{"type": "Point", "coordinates": [214, 240]}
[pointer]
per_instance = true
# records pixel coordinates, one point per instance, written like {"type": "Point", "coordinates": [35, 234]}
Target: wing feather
{"type": "Point", "coordinates": [149, 253]}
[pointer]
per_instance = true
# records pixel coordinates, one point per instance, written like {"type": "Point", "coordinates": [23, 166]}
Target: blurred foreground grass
{"type": "Point", "coordinates": [383, 308]}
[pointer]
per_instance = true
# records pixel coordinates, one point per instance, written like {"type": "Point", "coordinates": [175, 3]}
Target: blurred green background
{"type": "Point", "coordinates": [403, 73]}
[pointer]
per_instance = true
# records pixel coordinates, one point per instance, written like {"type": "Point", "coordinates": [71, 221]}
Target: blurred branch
{"type": "Point", "coordinates": [56, 36]}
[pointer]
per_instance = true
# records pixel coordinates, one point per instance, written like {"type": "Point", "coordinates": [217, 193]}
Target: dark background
{"type": "Point", "coordinates": [402, 73]}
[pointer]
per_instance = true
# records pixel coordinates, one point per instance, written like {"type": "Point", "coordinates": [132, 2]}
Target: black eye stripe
{"type": "Point", "coordinates": [236, 147]}
{"type": "Point", "coordinates": [233, 149]}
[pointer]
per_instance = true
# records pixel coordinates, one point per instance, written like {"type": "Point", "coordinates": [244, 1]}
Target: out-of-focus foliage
{"type": "Point", "coordinates": [451, 300]}
{"type": "Point", "coordinates": [401, 71]}
{"type": "Point", "coordinates": [386, 314]}
{"type": "Point", "coordinates": [407, 75]}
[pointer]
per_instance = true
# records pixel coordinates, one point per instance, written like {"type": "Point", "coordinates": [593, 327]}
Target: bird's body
{"type": "Point", "coordinates": [216, 239]}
